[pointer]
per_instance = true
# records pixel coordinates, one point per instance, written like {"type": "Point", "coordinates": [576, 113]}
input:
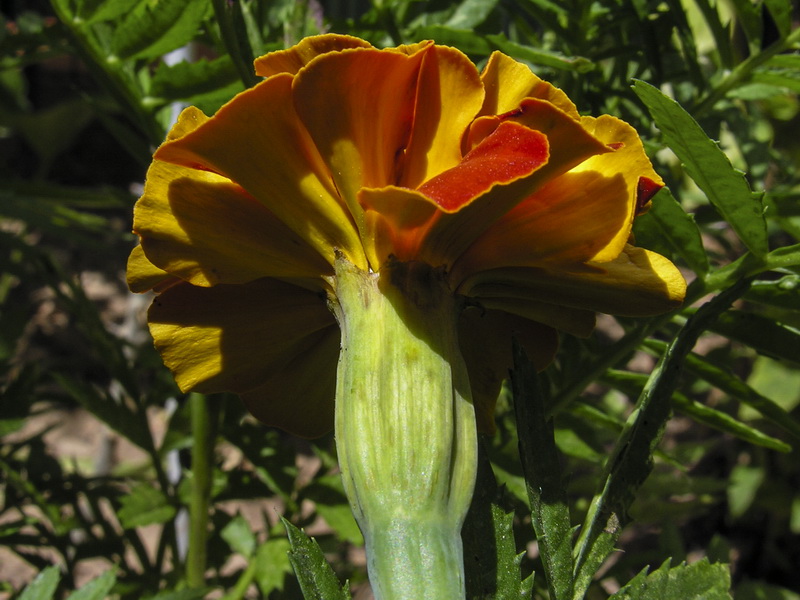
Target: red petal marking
{"type": "Point", "coordinates": [645, 190]}
{"type": "Point", "coordinates": [510, 152]}
{"type": "Point", "coordinates": [616, 145]}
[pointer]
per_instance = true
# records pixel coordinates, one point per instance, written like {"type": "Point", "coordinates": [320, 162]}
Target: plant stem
{"type": "Point", "coordinates": [405, 427]}
{"type": "Point", "coordinates": [204, 425]}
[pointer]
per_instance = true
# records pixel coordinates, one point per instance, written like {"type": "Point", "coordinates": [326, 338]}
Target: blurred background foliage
{"type": "Point", "coordinates": [100, 455]}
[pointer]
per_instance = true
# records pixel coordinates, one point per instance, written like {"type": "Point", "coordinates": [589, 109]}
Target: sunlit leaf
{"type": "Point", "coordinates": [43, 587]}
{"type": "Point", "coordinates": [145, 505]}
{"type": "Point", "coordinates": [725, 187]}
{"type": "Point", "coordinates": [698, 580]}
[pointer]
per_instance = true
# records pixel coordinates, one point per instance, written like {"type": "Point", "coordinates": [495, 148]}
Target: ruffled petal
{"type": "Point", "coordinates": [637, 283]}
{"type": "Point", "coordinates": [257, 141]}
{"type": "Point", "coordinates": [510, 153]}
{"type": "Point", "coordinates": [569, 144]}
{"type": "Point", "coordinates": [143, 276]}
{"type": "Point", "coordinates": [485, 342]}
{"type": "Point", "coordinates": [395, 221]}
{"type": "Point", "coordinates": [298, 56]}
{"type": "Point", "coordinates": [568, 220]}
{"type": "Point", "coordinates": [629, 161]}
{"type": "Point", "coordinates": [358, 106]}
{"type": "Point", "coordinates": [299, 397]}
{"type": "Point", "coordinates": [234, 337]}
{"type": "Point", "coordinates": [449, 95]}
{"type": "Point", "coordinates": [508, 82]}
{"type": "Point", "coordinates": [207, 230]}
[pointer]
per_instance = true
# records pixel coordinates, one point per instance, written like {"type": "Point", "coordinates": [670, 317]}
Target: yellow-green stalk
{"type": "Point", "coordinates": [405, 426]}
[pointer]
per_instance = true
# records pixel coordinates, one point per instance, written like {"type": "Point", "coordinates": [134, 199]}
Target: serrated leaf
{"type": "Point", "coordinates": [491, 561]}
{"type": "Point", "coordinates": [698, 580]}
{"type": "Point", "coordinates": [542, 467]}
{"type": "Point", "coordinates": [632, 458]}
{"type": "Point", "coordinates": [145, 505]}
{"type": "Point", "coordinates": [97, 589]}
{"type": "Point", "coordinates": [43, 587]}
{"type": "Point", "coordinates": [239, 536]}
{"type": "Point", "coordinates": [272, 565]}
{"type": "Point", "coordinates": [155, 27]}
{"type": "Point", "coordinates": [725, 187]}
{"type": "Point", "coordinates": [679, 230]}
{"type": "Point", "coordinates": [761, 333]}
{"type": "Point", "coordinates": [315, 576]}
{"type": "Point", "coordinates": [471, 13]}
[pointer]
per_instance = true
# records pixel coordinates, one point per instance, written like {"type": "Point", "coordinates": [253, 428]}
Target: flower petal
{"type": "Point", "coordinates": [257, 141]}
{"type": "Point", "coordinates": [449, 95]}
{"type": "Point", "coordinates": [298, 56]}
{"type": "Point", "coordinates": [358, 106]}
{"type": "Point", "coordinates": [207, 230]}
{"type": "Point", "coordinates": [509, 153]}
{"type": "Point", "coordinates": [142, 275]}
{"type": "Point", "coordinates": [637, 283]}
{"type": "Point", "coordinates": [234, 337]}
{"type": "Point", "coordinates": [568, 220]}
{"type": "Point", "coordinates": [485, 342]}
{"type": "Point", "coordinates": [299, 397]}
{"type": "Point", "coordinates": [630, 161]}
{"type": "Point", "coordinates": [395, 221]}
{"type": "Point", "coordinates": [508, 82]}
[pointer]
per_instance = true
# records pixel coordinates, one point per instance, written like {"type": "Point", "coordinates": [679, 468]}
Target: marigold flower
{"type": "Point", "coordinates": [400, 209]}
{"type": "Point", "coordinates": [406, 153]}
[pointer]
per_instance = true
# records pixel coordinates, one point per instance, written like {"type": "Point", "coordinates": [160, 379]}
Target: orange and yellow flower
{"type": "Point", "coordinates": [400, 154]}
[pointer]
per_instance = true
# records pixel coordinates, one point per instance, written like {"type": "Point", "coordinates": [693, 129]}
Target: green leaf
{"type": "Point", "coordinates": [743, 485]}
{"type": "Point", "coordinates": [95, 11]}
{"type": "Point", "coordinates": [97, 589]}
{"type": "Point", "coordinates": [783, 293]}
{"type": "Point", "coordinates": [724, 380]}
{"type": "Point", "coordinates": [145, 505]}
{"type": "Point", "coordinates": [272, 565]}
{"type": "Point", "coordinates": [725, 187]}
{"type": "Point", "coordinates": [698, 580]}
{"type": "Point", "coordinates": [315, 576]}
{"type": "Point", "coordinates": [155, 27]}
{"type": "Point", "coordinates": [195, 83]}
{"type": "Point", "coordinates": [632, 459]}
{"type": "Point", "coordinates": [546, 489]}
{"type": "Point", "coordinates": [631, 383]}
{"type": "Point", "coordinates": [43, 587]}
{"type": "Point", "coordinates": [491, 561]}
{"type": "Point", "coordinates": [761, 333]}
{"type": "Point", "coordinates": [471, 13]}
{"type": "Point", "coordinates": [541, 57]}
{"type": "Point", "coordinates": [679, 230]}
{"type": "Point", "coordinates": [239, 536]}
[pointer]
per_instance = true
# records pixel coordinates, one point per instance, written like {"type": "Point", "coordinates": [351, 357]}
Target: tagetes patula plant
{"type": "Point", "coordinates": [373, 226]}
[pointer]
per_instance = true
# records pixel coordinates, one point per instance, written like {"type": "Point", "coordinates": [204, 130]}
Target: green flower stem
{"type": "Point", "coordinates": [405, 427]}
{"type": "Point", "coordinates": [204, 432]}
